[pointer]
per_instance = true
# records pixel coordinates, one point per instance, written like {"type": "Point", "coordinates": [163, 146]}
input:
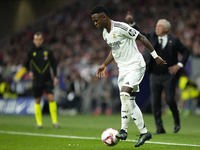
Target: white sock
{"type": "Point", "coordinates": [137, 117]}
{"type": "Point", "coordinates": [125, 110]}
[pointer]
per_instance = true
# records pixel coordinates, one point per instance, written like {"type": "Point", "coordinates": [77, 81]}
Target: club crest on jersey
{"type": "Point", "coordinates": [45, 53]}
{"type": "Point", "coordinates": [34, 54]}
{"type": "Point", "coordinates": [131, 32]}
{"type": "Point", "coordinates": [114, 36]}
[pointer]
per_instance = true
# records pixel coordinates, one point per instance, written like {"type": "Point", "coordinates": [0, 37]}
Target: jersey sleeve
{"type": "Point", "coordinates": [129, 32]}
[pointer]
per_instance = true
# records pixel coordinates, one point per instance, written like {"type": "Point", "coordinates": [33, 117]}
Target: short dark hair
{"type": "Point", "coordinates": [100, 9]}
{"type": "Point", "coordinates": [38, 33]}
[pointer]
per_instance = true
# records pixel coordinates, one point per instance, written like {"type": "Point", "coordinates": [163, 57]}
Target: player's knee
{"type": "Point", "coordinates": [126, 89]}
{"type": "Point", "coordinates": [50, 97]}
{"type": "Point", "coordinates": [37, 100]}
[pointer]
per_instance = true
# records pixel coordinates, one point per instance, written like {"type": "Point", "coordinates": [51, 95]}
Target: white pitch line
{"type": "Point", "coordinates": [164, 143]}
{"type": "Point", "coordinates": [88, 138]}
{"type": "Point", "coordinates": [47, 135]}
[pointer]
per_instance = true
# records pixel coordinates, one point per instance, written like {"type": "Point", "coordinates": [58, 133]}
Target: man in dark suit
{"type": "Point", "coordinates": [163, 77]}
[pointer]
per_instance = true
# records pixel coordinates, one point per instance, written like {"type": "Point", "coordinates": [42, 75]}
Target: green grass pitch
{"type": "Point", "coordinates": [83, 132]}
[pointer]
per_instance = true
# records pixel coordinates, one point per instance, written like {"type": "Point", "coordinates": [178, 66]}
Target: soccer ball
{"type": "Point", "coordinates": [108, 137]}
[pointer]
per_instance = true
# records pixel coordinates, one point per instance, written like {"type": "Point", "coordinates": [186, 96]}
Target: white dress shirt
{"type": "Point", "coordinates": [164, 40]}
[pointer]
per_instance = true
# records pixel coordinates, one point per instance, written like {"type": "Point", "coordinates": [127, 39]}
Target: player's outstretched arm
{"type": "Point", "coordinates": [148, 45]}
{"type": "Point", "coordinates": [160, 61]}
{"type": "Point", "coordinates": [102, 69]}
{"type": "Point", "coordinates": [145, 42]}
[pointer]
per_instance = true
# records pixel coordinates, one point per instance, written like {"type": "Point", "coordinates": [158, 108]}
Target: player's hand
{"type": "Point", "coordinates": [174, 69]}
{"type": "Point", "coordinates": [31, 75]}
{"type": "Point", "coordinates": [129, 17]}
{"type": "Point", "coordinates": [101, 71]}
{"type": "Point", "coordinates": [160, 61]}
{"type": "Point", "coordinates": [55, 81]}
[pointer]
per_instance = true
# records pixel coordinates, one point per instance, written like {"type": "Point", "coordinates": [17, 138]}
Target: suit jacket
{"type": "Point", "coordinates": [169, 53]}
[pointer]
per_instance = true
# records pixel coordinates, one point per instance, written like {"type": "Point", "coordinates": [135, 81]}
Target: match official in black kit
{"type": "Point", "coordinates": [38, 62]}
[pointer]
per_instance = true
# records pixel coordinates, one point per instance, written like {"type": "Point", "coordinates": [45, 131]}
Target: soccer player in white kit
{"type": "Point", "coordinates": [121, 38]}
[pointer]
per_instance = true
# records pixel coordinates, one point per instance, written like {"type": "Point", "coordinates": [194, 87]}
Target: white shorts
{"type": "Point", "coordinates": [131, 78]}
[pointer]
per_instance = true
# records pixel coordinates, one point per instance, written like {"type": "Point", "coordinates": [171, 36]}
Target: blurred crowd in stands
{"type": "Point", "coordinates": [79, 49]}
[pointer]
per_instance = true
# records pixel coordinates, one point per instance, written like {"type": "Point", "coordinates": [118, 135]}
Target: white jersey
{"type": "Point", "coordinates": [121, 39]}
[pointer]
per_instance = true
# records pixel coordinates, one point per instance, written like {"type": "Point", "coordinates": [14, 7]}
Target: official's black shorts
{"type": "Point", "coordinates": [39, 87]}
